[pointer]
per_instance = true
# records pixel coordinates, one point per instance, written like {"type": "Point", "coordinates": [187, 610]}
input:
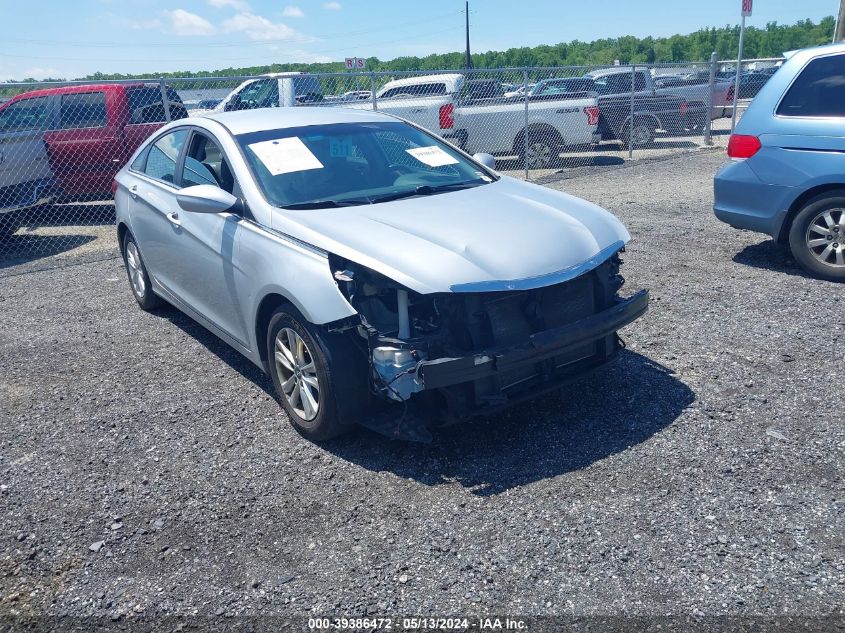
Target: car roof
{"type": "Point", "coordinates": [44, 92]}
{"type": "Point", "coordinates": [246, 121]}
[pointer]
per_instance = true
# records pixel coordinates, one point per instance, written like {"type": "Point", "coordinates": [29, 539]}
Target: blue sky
{"type": "Point", "coordinates": [69, 39]}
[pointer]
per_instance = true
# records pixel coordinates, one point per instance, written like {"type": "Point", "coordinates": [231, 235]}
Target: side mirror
{"type": "Point", "coordinates": [205, 199]}
{"type": "Point", "coordinates": [485, 159]}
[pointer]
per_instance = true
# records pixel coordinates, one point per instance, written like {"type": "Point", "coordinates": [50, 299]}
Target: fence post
{"type": "Point", "coordinates": [163, 89]}
{"type": "Point", "coordinates": [631, 120]}
{"type": "Point", "coordinates": [373, 91]}
{"type": "Point", "coordinates": [525, 125]}
{"type": "Point", "coordinates": [708, 123]}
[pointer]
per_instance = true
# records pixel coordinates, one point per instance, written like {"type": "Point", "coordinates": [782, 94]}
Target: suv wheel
{"type": "Point", "coordinates": [139, 280]}
{"type": "Point", "coordinates": [317, 381]}
{"type": "Point", "coordinates": [8, 225]}
{"type": "Point", "coordinates": [817, 236]}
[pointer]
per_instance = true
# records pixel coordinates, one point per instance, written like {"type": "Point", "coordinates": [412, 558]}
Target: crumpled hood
{"type": "Point", "coordinates": [507, 230]}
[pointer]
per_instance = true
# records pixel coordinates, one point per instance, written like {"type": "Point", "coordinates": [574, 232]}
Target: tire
{"type": "Point", "coordinates": [328, 371]}
{"type": "Point", "coordinates": [642, 134]}
{"type": "Point", "coordinates": [8, 225]}
{"type": "Point", "coordinates": [817, 236]}
{"type": "Point", "coordinates": [541, 151]}
{"type": "Point", "coordinates": [139, 279]}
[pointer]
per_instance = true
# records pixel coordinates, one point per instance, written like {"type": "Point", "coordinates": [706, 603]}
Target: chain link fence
{"type": "Point", "coordinates": [61, 144]}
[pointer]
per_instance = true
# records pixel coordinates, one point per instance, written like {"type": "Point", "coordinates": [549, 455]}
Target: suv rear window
{"type": "Point", "coordinates": [818, 91]}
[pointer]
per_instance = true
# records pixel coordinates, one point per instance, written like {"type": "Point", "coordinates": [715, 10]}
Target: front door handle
{"type": "Point", "coordinates": [174, 218]}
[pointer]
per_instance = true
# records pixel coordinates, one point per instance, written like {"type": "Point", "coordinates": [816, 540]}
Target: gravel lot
{"type": "Point", "coordinates": [702, 473]}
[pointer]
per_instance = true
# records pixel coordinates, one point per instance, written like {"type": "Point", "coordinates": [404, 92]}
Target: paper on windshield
{"type": "Point", "coordinates": [285, 155]}
{"type": "Point", "coordinates": [432, 156]}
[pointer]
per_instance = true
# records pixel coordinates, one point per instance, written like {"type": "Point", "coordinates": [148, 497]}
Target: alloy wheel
{"type": "Point", "coordinates": [297, 374]}
{"type": "Point", "coordinates": [825, 237]}
{"type": "Point", "coordinates": [538, 155]}
{"type": "Point", "coordinates": [136, 271]}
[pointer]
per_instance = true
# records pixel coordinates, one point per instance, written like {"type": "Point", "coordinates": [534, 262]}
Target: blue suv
{"type": "Point", "coordinates": [787, 174]}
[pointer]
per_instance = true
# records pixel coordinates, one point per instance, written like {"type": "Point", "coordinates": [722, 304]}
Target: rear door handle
{"type": "Point", "coordinates": [174, 218]}
{"type": "Point", "coordinates": [133, 191]}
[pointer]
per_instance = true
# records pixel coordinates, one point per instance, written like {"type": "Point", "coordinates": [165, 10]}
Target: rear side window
{"type": "Point", "coordinates": [819, 91]}
{"type": "Point", "coordinates": [418, 90]}
{"type": "Point", "coordinates": [145, 105]}
{"type": "Point", "coordinates": [163, 155]}
{"type": "Point", "coordinates": [82, 110]}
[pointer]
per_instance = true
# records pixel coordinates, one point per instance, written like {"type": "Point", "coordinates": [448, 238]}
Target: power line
{"type": "Point", "coordinates": [82, 44]}
{"type": "Point", "coordinates": [205, 59]}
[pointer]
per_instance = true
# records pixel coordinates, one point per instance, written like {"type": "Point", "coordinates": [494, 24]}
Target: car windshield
{"type": "Point", "coordinates": [345, 164]}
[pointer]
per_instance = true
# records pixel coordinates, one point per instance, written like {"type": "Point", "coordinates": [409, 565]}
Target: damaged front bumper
{"type": "Point", "coordinates": [501, 375]}
{"type": "Point", "coordinates": [445, 372]}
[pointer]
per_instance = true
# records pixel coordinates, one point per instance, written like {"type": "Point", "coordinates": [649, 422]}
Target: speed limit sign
{"type": "Point", "coordinates": [746, 8]}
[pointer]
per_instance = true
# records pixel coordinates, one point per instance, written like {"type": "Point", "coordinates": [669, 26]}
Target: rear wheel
{"type": "Point", "coordinates": [540, 149]}
{"type": "Point", "coordinates": [320, 386]}
{"type": "Point", "coordinates": [9, 224]}
{"type": "Point", "coordinates": [641, 134]}
{"type": "Point", "coordinates": [817, 236]}
{"type": "Point", "coordinates": [139, 280]}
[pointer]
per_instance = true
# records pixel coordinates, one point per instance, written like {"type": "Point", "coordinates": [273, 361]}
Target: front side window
{"type": "Point", "coordinates": [26, 114]}
{"type": "Point", "coordinates": [205, 164]}
{"type": "Point", "coordinates": [163, 156]}
{"type": "Point", "coordinates": [819, 91]}
{"type": "Point", "coordinates": [346, 164]}
{"type": "Point", "coordinates": [83, 110]}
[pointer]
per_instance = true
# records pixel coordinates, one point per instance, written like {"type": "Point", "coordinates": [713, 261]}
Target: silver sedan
{"type": "Point", "coordinates": [355, 258]}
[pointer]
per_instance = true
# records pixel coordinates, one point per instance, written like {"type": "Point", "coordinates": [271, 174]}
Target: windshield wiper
{"type": "Point", "coordinates": [328, 204]}
{"type": "Point", "coordinates": [427, 190]}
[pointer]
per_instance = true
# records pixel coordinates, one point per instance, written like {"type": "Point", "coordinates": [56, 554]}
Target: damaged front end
{"type": "Point", "coordinates": [484, 346]}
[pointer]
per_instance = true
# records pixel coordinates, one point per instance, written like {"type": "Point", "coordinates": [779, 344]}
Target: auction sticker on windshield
{"type": "Point", "coordinates": [432, 156]}
{"type": "Point", "coordinates": [285, 155]}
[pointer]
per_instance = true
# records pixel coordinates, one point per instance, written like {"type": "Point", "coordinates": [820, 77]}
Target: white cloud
{"type": "Point", "coordinates": [185, 23]}
{"type": "Point", "coordinates": [333, 6]}
{"type": "Point", "coordinates": [257, 27]}
{"type": "Point", "coordinates": [238, 5]}
{"type": "Point", "coordinates": [293, 12]}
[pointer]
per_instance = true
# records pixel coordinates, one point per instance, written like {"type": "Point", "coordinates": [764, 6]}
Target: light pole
{"type": "Point", "coordinates": [468, 61]}
{"type": "Point", "coordinates": [839, 31]}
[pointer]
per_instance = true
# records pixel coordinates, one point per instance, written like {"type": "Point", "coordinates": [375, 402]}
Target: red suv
{"type": "Point", "coordinates": [71, 141]}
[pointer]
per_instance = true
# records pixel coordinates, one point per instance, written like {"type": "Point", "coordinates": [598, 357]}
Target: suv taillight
{"type": "Point", "coordinates": [684, 107]}
{"type": "Point", "coordinates": [592, 113]}
{"type": "Point", "coordinates": [447, 120]}
{"type": "Point", "coordinates": [730, 95]}
{"type": "Point", "coordinates": [743, 146]}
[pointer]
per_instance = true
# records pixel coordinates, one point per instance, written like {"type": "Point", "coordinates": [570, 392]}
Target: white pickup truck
{"type": "Point", "coordinates": [484, 120]}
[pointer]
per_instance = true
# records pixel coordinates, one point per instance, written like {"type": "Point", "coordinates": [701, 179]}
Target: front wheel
{"type": "Point", "coordinates": [817, 236]}
{"type": "Point", "coordinates": [317, 379]}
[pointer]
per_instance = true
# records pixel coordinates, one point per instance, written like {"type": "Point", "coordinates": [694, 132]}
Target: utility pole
{"type": "Point", "coordinates": [839, 32]}
{"type": "Point", "coordinates": [468, 61]}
